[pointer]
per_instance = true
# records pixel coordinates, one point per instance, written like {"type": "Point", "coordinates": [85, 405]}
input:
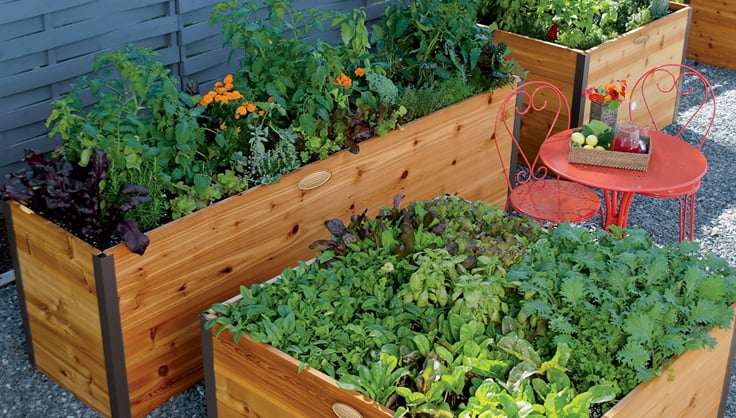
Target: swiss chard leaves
{"type": "Point", "coordinates": [72, 196]}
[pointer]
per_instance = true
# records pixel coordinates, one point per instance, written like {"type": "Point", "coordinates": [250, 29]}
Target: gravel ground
{"type": "Point", "coordinates": [25, 392]}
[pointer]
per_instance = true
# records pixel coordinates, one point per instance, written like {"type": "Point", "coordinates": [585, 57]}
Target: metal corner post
{"type": "Point", "coordinates": [208, 353]}
{"type": "Point", "coordinates": [577, 105]}
{"type": "Point", "coordinates": [112, 336]}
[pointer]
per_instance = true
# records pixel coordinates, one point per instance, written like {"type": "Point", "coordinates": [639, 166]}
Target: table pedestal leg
{"type": "Point", "coordinates": [617, 207]}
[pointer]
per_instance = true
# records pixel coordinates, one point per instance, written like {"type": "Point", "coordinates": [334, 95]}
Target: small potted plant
{"type": "Point", "coordinates": [605, 101]}
{"type": "Point", "coordinates": [576, 44]}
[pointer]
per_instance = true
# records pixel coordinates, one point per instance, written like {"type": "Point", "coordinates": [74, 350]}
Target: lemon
{"type": "Point", "coordinates": [600, 147]}
{"type": "Point", "coordinates": [577, 138]}
{"type": "Point", "coordinates": [588, 146]}
{"type": "Point", "coordinates": [591, 140]}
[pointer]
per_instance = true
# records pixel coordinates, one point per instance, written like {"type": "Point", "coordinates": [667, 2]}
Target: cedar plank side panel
{"type": "Point", "coordinates": [659, 42]}
{"type": "Point", "coordinates": [241, 241]}
{"type": "Point", "coordinates": [713, 33]}
{"type": "Point", "coordinates": [696, 387]}
{"type": "Point", "coordinates": [61, 302]}
{"type": "Point", "coordinates": [308, 394]}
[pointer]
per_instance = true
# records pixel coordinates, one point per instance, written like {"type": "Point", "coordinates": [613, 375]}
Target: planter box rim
{"type": "Point", "coordinates": [299, 171]}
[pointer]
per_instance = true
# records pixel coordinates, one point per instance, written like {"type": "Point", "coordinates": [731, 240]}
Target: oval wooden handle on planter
{"type": "Point", "coordinates": [641, 40]}
{"type": "Point", "coordinates": [314, 180]}
{"type": "Point", "coordinates": [345, 411]}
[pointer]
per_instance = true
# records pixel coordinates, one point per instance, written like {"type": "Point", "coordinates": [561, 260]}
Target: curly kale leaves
{"type": "Point", "coordinates": [624, 305]}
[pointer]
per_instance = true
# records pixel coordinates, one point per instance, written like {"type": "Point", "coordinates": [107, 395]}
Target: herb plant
{"type": "Point", "coordinates": [434, 49]}
{"type": "Point", "coordinates": [326, 91]}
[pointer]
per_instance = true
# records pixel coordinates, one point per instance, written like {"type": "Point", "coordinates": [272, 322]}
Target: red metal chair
{"type": "Point", "coordinates": [678, 81]}
{"type": "Point", "coordinates": [532, 190]}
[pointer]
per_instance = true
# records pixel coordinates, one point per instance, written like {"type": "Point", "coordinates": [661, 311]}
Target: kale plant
{"type": "Point", "coordinates": [72, 196]}
{"type": "Point", "coordinates": [622, 304]}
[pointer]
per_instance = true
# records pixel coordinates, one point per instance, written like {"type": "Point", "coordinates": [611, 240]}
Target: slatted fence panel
{"type": "Point", "coordinates": [46, 45]}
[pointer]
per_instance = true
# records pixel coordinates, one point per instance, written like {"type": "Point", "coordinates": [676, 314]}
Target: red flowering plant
{"type": "Point", "coordinates": [611, 94]}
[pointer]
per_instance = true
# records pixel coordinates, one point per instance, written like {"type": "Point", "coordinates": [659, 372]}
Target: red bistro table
{"type": "Point", "coordinates": [673, 164]}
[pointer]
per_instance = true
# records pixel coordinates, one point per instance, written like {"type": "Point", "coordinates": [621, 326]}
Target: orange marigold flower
{"type": "Point", "coordinates": [218, 84]}
{"type": "Point", "coordinates": [250, 107]}
{"type": "Point", "coordinates": [343, 80]}
{"type": "Point", "coordinates": [261, 113]}
{"type": "Point", "coordinates": [229, 86]}
{"type": "Point", "coordinates": [360, 72]}
{"type": "Point", "coordinates": [228, 79]}
{"type": "Point", "coordinates": [241, 110]}
{"type": "Point", "coordinates": [223, 126]}
{"type": "Point", "coordinates": [221, 99]}
{"type": "Point", "coordinates": [234, 95]}
{"type": "Point", "coordinates": [204, 101]}
{"type": "Point", "coordinates": [270, 100]}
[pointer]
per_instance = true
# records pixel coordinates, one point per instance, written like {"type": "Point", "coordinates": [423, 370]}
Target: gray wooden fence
{"type": "Point", "coordinates": [46, 45]}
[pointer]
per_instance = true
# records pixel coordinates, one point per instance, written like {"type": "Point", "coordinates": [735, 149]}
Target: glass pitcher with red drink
{"type": "Point", "coordinates": [626, 138]}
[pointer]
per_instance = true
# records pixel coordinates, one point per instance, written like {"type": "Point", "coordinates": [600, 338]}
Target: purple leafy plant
{"type": "Point", "coordinates": [70, 196]}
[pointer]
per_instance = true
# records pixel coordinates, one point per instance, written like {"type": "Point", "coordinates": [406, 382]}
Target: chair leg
{"type": "Point", "coordinates": [691, 198]}
{"type": "Point", "coordinates": [687, 217]}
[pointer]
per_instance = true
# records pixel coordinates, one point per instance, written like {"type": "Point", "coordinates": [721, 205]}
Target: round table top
{"type": "Point", "coordinates": [673, 164]}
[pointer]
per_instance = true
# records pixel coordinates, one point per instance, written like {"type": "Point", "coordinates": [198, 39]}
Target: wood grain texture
{"type": "Point", "coordinates": [574, 70]}
{"type": "Point", "coordinates": [59, 285]}
{"type": "Point", "coordinates": [203, 258]}
{"type": "Point", "coordinates": [256, 380]}
{"type": "Point", "coordinates": [712, 37]}
{"type": "Point", "coordinates": [632, 54]}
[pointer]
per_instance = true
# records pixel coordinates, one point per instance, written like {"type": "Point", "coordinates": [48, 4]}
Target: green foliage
{"type": "Point", "coordinates": [576, 24]}
{"type": "Point", "coordinates": [430, 41]}
{"type": "Point", "coordinates": [144, 123]}
{"type": "Point", "coordinates": [294, 100]}
{"type": "Point", "coordinates": [397, 308]}
{"type": "Point", "coordinates": [623, 305]}
{"type": "Point", "coordinates": [324, 89]}
{"type": "Point", "coordinates": [451, 307]}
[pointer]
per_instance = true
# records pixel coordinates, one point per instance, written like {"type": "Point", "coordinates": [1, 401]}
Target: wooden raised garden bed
{"type": "Point", "coordinates": [252, 379]}
{"type": "Point", "coordinates": [662, 41]}
{"type": "Point", "coordinates": [121, 331]}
